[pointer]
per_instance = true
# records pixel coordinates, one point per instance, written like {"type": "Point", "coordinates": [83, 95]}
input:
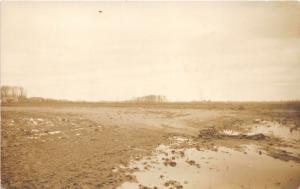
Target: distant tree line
{"type": "Point", "coordinates": [151, 99]}
{"type": "Point", "coordinates": [12, 93]}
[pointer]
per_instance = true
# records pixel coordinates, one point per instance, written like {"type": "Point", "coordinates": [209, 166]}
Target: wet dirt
{"type": "Point", "coordinates": [264, 155]}
{"type": "Point", "coordinates": [222, 167]}
{"type": "Point", "coordinates": [150, 147]}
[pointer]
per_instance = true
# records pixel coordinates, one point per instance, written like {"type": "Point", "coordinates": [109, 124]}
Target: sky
{"type": "Point", "coordinates": [225, 51]}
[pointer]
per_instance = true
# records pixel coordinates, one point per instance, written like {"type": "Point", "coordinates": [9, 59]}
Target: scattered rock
{"type": "Point", "coordinates": [169, 162]}
{"type": "Point", "coordinates": [191, 162]}
{"type": "Point", "coordinates": [172, 163]}
{"type": "Point", "coordinates": [173, 184]}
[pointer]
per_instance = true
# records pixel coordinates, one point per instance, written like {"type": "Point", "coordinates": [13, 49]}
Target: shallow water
{"type": "Point", "coordinates": [273, 129]}
{"type": "Point", "coordinates": [222, 168]}
{"type": "Point", "coordinates": [277, 130]}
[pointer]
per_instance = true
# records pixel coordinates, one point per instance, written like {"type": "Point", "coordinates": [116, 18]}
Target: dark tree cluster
{"type": "Point", "coordinates": [151, 99]}
{"type": "Point", "coordinates": [12, 93]}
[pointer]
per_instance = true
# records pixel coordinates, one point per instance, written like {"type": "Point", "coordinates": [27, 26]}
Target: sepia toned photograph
{"type": "Point", "coordinates": [150, 94]}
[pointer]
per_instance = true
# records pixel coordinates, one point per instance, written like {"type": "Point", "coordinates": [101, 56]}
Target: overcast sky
{"type": "Point", "coordinates": [185, 51]}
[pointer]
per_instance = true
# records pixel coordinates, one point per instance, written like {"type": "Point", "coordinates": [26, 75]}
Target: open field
{"type": "Point", "coordinates": [172, 145]}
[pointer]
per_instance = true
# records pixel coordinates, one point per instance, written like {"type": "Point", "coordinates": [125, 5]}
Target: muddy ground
{"type": "Point", "coordinates": [173, 146]}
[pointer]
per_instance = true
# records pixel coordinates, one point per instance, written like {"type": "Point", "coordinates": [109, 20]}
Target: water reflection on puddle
{"type": "Point", "coordinates": [276, 129]}
{"type": "Point", "coordinates": [288, 133]}
{"type": "Point", "coordinates": [219, 168]}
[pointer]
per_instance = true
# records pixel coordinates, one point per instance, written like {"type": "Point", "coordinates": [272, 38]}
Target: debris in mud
{"type": "Point", "coordinates": [131, 178]}
{"type": "Point", "coordinates": [181, 153]}
{"type": "Point", "coordinates": [169, 162]}
{"type": "Point", "coordinates": [274, 129]}
{"type": "Point", "coordinates": [173, 183]}
{"type": "Point", "coordinates": [283, 155]}
{"type": "Point", "coordinates": [191, 162]}
{"type": "Point", "coordinates": [146, 187]}
{"type": "Point", "coordinates": [212, 133]}
{"type": "Point", "coordinates": [172, 163]}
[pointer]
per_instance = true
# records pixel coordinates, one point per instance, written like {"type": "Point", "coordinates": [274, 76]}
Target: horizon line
{"type": "Point", "coordinates": [131, 100]}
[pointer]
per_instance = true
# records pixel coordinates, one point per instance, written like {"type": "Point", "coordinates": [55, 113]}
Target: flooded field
{"type": "Point", "coordinates": [150, 147]}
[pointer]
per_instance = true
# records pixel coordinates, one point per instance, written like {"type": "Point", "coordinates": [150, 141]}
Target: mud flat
{"type": "Point", "coordinates": [168, 146]}
{"type": "Point", "coordinates": [219, 167]}
{"type": "Point", "coordinates": [256, 154]}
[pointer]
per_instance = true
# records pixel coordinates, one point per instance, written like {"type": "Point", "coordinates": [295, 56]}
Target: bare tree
{"type": "Point", "coordinates": [5, 91]}
{"type": "Point", "coordinates": [13, 92]}
{"type": "Point", "coordinates": [23, 92]}
{"type": "Point", "coordinates": [151, 99]}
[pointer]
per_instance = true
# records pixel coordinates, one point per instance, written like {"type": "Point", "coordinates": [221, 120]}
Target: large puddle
{"type": "Point", "coordinates": [222, 167]}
